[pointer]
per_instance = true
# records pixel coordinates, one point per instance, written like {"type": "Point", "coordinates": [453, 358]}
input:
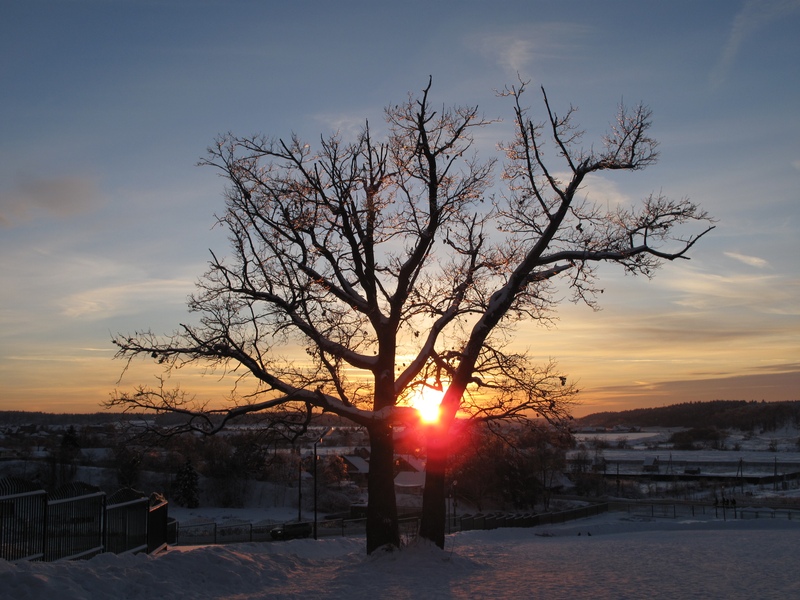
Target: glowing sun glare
{"type": "Point", "coordinates": [427, 402]}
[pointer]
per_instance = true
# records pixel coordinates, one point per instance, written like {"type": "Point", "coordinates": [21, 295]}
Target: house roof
{"type": "Point", "coordinates": [413, 462]}
{"type": "Point", "coordinates": [410, 479]}
{"type": "Point", "coordinates": [356, 464]}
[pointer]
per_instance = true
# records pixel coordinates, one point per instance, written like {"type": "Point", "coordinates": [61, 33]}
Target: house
{"type": "Point", "coordinates": [650, 465]}
{"type": "Point", "coordinates": [357, 469]}
{"type": "Point", "coordinates": [409, 474]}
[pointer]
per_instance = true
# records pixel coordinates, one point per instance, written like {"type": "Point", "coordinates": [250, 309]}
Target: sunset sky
{"type": "Point", "coordinates": [106, 221]}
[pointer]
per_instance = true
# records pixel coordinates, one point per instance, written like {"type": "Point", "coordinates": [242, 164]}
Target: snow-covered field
{"type": "Point", "coordinates": [612, 556]}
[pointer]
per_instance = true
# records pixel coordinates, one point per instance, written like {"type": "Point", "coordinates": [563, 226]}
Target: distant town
{"type": "Point", "coordinates": [685, 450]}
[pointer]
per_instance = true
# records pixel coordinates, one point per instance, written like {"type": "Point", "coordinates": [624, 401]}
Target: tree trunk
{"type": "Point", "coordinates": [434, 502]}
{"type": "Point", "coordinates": [382, 526]}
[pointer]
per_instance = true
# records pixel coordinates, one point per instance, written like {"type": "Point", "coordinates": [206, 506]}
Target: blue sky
{"type": "Point", "coordinates": [106, 221]}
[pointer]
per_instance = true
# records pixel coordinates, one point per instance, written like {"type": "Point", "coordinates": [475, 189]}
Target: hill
{"type": "Point", "coordinates": [722, 414]}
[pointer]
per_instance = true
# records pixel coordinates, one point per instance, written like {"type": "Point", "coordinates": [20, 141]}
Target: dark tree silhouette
{"type": "Point", "coordinates": [187, 489]}
{"type": "Point", "coordinates": [390, 266]}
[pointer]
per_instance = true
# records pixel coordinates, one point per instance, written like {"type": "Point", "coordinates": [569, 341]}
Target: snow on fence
{"type": "Point", "coordinates": [76, 521]}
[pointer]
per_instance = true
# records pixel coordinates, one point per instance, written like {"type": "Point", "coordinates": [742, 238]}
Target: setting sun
{"type": "Point", "coordinates": [427, 401]}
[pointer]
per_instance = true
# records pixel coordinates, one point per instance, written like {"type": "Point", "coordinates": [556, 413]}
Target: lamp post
{"type": "Point", "coordinates": [327, 431]}
{"type": "Point", "coordinates": [455, 503]}
{"type": "Point", "coordinates": [299, 486]}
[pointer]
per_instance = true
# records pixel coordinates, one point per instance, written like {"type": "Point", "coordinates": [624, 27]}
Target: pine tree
{"type": "Point", "coordinates": [186, 486]}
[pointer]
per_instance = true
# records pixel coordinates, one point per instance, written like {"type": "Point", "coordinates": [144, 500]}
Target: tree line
{"type": "Point", "coordinates": [743, 415]}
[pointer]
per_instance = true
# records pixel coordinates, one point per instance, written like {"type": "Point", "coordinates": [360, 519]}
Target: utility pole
{"type": "Point", "coordinates": [326, 432]}
{"type": "Point", "coordinates": [299, 486]}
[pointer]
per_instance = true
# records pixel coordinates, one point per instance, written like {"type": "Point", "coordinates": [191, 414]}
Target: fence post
{"type": "Point", "coordinates": [45, 517]}
{"type": "Point", "coordinates": [104, 524]}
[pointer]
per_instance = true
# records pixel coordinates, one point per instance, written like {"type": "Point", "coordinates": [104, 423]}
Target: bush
{"type": "Point", "coordinates": [698, 437]}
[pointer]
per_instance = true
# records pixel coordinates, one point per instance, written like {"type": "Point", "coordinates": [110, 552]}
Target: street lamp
{"type": "Point", "coordinates": [327, 431]}
{"type": "Point", "coordinates": [299, 486]}
{"type": "Point", "coordinates": [455, 503]}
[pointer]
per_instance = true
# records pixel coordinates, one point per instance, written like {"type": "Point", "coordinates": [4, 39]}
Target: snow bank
{"type": "Point", "coordinates": [611, 556]}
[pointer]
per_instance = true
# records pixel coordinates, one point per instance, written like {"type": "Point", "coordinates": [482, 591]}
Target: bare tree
{"type": "Point", "coordinates": [384, 262]}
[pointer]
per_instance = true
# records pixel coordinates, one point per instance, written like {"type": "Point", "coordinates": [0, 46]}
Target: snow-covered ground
{"type": "Point", "coordinates": [624, 557]}
{"type": "Point", "coordinates": [783, 439]}
{"type": "Point", "coordinates": [612, 556]}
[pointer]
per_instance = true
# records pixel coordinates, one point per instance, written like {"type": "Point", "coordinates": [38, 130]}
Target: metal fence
{"type": "Point", "coordinates": [77, 521]}
{"type": "Point", "coordinates": [126, 522]}
{"type": "Point", "coordinates": [209, 532]}
{"type": "Point", "coordinates": [22, 517]}
{"type": "Point", "coordinates": [674, 510]}
{"type": "Point", "coordinates": [74, 522]}
{"type": "Point", "coordinates": [494, 520]}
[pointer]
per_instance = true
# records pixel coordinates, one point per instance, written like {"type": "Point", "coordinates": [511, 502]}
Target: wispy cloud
{"type": "Point", "coordinates": [755, 15]}
{"type": "Point", "coordinates": [753, 261]}
{"type": "Point", "coordinates": [712, 294]}
{"type": "Point", "coordinates": [604, 191]}
{"type": "Point", "coordinates": [348, 126]}
{"type": "Point", "coordinates": [102, 303]}
{"type": "Point", "coordinates": [516, 51]}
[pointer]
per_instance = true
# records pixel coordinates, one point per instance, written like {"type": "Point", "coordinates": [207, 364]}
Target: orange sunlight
{"type": "Point", "coordinates": [427, 401]}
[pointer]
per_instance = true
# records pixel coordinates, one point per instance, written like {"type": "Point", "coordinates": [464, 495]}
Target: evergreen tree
{"type": "Point", "coordinates": [187, 491]}
{"type": "Point", "coordinates": [128, 465]}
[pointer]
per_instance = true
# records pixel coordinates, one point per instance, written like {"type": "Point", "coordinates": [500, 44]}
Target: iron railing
{"type": "Point", "coordinates": [23, 506]}
{"type": "Point", "coordinates": [77, 521]}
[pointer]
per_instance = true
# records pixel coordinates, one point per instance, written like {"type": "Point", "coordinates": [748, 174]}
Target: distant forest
{"type": "Point", "coordinates": [722, 414]}
{"type": "Point", "coordinates": [20, 417]}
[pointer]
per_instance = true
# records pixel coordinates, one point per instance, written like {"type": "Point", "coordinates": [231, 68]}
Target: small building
{"type": "Point", "coordinates": [357, 469]}
{"type": "Point", "coordinates": [651, 465]}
